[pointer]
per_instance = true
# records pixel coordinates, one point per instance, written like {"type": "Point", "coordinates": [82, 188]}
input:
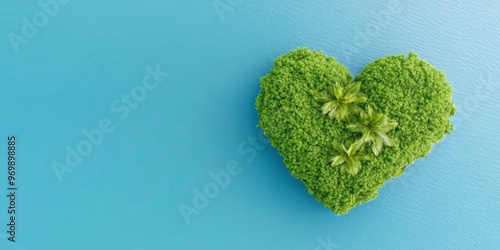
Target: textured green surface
{"type": "Point", "coordinates": [407, 89]}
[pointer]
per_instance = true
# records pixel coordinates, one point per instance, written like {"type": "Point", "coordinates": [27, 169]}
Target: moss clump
{"type": "Point", "coordinates": [407, 89]}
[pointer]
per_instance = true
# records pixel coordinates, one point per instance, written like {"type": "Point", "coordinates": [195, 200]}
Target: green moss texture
{"type": "Point", "coordinates": [406, 89]}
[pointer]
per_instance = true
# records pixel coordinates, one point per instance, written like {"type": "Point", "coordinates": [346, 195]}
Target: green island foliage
{"type": "Point", "coordinates": [374, 128]}
{"type": "Point", "coordinates": [342, 101]}
{"type": "Point", "coordinates": [316, 144]}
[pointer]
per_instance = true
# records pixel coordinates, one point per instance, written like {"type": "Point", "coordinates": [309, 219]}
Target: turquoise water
{"type": "Point", "coordinates": [155, 144]}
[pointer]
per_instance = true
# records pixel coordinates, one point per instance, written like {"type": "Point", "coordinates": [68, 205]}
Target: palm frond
{"type": "Point", "coordinates": [338, 160]}
{"type": "Point", "coordinates": [377, 146]}
{"type": "Point", "coordinates": [349, 157]}
{"type": "Point", "coordinates": [341, 101]}
{"type": "Point", "coordinates": [338, 91]}
{"type": "Point", "coordinates": [373, 127]}
{"type": "Point", "coordinates": [352, 89]}
{"type": "Point", "coordinates": [360, 98]}
{"type": "Point", "coordinates": [323, 97]}
{"type": "Point", "coordinates": [329, 107]}
{"type": "Point", "coordinates": [339, 148]}
{"type": "Point", "coordinates": [356, 127]}
{"type": "Point", "coordinates": [385, 139]}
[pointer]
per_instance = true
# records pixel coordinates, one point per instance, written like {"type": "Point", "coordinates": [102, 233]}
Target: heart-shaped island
{"type": "Point", "coordinates": [342, 138]}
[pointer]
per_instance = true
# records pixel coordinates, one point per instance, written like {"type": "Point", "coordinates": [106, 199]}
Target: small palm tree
{"type": "Point", "coordinates": [348, 159]}
{"type": "Point", "coordinates": [374, 127]}
{"type": "Point", "coordinates": [342, 101]}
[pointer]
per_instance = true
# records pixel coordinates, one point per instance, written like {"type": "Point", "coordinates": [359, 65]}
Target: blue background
{"type": "Point", "coordinates": [126, 193]}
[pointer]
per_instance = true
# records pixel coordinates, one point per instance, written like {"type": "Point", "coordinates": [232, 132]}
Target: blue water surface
{"type": "Point", "coordinates": [157, 141]}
